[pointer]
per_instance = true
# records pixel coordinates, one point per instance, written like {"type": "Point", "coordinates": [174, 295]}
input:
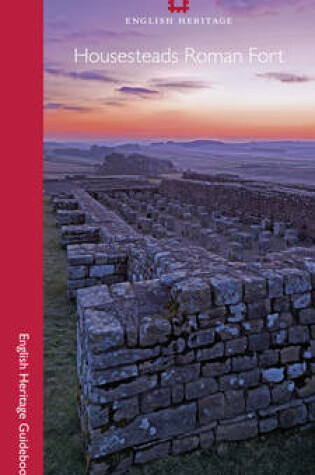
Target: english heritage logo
{"type": "Point", "coordinates": [181, 6]}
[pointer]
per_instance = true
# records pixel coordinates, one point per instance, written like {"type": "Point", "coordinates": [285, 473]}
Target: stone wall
{"type": "Point", "coordinates": [218, 177]}
{"type": "Point", "coordinates": [61, 203]}
{"type": "Point", "coordinates": [95, 264]}
{"type": "Point", "coordinates": [238, 237]}
{"type": "Point", "coordinates": [70, 217]}
{"type": "Point", "coordinates": [276, 202]}
{"type": "Point", "coordinates": [188, 362]}
{"type": "Point", "coordinates": [79, 235]}
{"type": "Point", "coordinates": [133, 260]}
{"type": "Point", "coordinates": [179, 348]}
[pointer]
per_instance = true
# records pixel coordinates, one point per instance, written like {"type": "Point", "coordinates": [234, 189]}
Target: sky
{"type": "Point", "coordinates": [179, 101]}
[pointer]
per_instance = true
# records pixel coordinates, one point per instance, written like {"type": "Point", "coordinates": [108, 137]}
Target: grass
{"type": "Point", "coordinates": [292, 452]}
{"type": "Point", "coordinates": [63, 454]}
{"type": "Point", "coordinates": [287, 453]}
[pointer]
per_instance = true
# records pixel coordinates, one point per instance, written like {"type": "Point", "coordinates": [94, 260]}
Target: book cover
{"type": "Point", "coordinates": [159, 238]}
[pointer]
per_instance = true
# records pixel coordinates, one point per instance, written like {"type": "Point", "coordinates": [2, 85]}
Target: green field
{"type": "Point", "coordinates": [62, 439]}
{"type": "Point", "coordinates": [286, 453]}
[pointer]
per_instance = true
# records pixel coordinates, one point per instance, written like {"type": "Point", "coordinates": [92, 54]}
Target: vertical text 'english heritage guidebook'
{"type": "Point", "coordinates": [21, 238]}
{"type": "Point", "coordinates": [179, 225]}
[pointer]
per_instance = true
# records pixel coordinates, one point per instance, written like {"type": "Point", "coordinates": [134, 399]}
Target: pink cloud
{"type": "Point", "coordinates": [260, 7]}
{"type": "Point", "coordinates": [285, 77]}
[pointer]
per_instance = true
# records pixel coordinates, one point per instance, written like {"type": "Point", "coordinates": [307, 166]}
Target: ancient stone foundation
{"type": "Point", "coordinates": [180, 347]}
{"type": "Point", "coordinates": [169, 366]}
{"type": "Point", "coordinates": [90, 265]}
{"type": "Point", "coordinates": [281, 203]}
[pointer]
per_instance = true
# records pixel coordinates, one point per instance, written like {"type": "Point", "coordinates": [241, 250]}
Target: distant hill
{"type": "Point", "coordinates": [95, 152]}
{"type": "Point", "coordinates": [265, 144]}
{"type": "Point", "coordinates": [192, 144]}
{"type": "Point", "coordinates": [134, 164]}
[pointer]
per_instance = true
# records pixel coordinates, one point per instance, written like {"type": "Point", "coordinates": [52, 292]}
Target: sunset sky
{"type": "Point", "coordinates": [131, 102]}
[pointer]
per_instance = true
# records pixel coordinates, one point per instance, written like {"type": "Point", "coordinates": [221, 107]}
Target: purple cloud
{"type": "Point", "coordinates": [180, 84]}
{"type": "Point", "coordinates": [84, 76]}
{"type": "Point", "coordinates": [257, 7]}
{"type": "Point", "coordinates": [91, 76]}
{"type": "Point", "coordinates": [97, 34]}
{"type": "Point", "coordinates": [59, 106]}
{"type": "Point", "coordinates": [114, 103]}
{"type": "Point", "coordinates": [138, 91]}
{"type": "Point", "coordinates": [287, 78]}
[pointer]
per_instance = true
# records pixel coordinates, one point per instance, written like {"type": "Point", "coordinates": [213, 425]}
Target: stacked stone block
{"type": "Point", "coordinates": [279, 203]}
{"type": "Point", "coordinates": [152, 215]}
{"type": "Point", "coordinates": [69, 204]}
{"type": "Point", "coordinates": [95, 264]}
{"type": "Point", "coordinates": [180, 349]}
{"type": "Point", "coordinates": [175, 365]}
{"type": "Point", "coordinates": [70, 218]}
{"type": "Point", "coordinates": [79, 234]}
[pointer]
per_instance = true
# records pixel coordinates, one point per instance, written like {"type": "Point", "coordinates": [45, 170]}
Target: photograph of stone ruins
{"type": "Point", "coordinates": [179, 215]}
{"type": "Point", "coordinates": [195, 304]}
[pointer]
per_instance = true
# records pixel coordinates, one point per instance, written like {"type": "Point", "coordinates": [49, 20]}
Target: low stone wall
{"type": "Point", "coordinates": [276, 202]}
{"type": "Point", "coordinates": [65, 204]}
{"type": "Point", "coordinates": [69, 217]}
{"type": "Point", "coordinates": [184, 363]}
{"type": "Point", "coordinates": [79, 234]}
{"type": "Point", "coordinates": [218, 177]}
{"type": "Point", "coordinates": [133, 260]}
{"type": "Point", "coordinates": [180, 349]}
{"type": "Point", "coordinates": [95, 264]}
